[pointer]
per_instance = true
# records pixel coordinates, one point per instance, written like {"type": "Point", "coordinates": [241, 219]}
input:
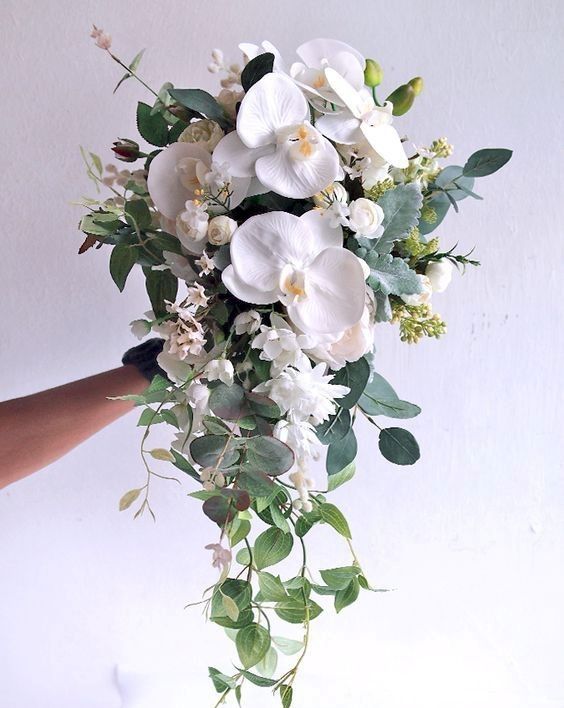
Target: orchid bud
{"type": "Point", "coordinates": [373, 73]}
{"type": "Point", "coordinates": [417, 84]}
{"type": "Point", "coordinates": [126, 150]}
{"type": "Point", "coordinates": [402, 99]}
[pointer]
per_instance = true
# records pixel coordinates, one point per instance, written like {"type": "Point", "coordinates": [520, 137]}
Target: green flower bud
{"type": "Point", "coordinates": [417, 84]}
{"type": "Point", "coordinates": [373, 73]}
{"type": "Point", "coordinates": [402, 99]}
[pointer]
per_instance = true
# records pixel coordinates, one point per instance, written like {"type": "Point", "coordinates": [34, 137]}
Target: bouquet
{"type": "Point", "coordinates": [276, 224]}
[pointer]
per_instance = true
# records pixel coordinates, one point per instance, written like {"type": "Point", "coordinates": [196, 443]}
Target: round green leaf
{"type": "Point", "coordinates": [207, 449]}
{"type": "Point", "coordinates": [486, 162]}
{"type": "Point", "coordinates": [252, 642]}
{"type": "Point", "coordinates": [228, 402]}
{"type": "Point", "coordinates": [272, 546]}
{"type": "Point", "coordinates": [269, 455]}
{"type": "Point", "coordinates": [398, 446]}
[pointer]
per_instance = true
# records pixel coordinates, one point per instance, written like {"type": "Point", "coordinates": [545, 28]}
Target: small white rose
{"type": "Point", "coordinates": [221, 369]}
{"type": "Point", "coordinates": [220, 230]}
{"type": "Point", "coordinates": [424, 296]}
{"type": "Point", "coordinates": [366, 218]}
{"type": "Point", "coordinates": [440, 274]}
{"type": "Point", "coordinates": [247, 322]}
{"type": "Point", "coordinates": [206, 133]}
{"type": "Point", "coordinates": [140, 328]}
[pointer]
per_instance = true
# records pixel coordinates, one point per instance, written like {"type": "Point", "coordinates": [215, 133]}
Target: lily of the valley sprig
{"type": "Point", "coordinates": [276, 225]}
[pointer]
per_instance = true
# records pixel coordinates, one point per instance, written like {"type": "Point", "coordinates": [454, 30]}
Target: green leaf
{"type": "Point", "coordinates": [459, 189]}
{"type": "Point", "coordinates": [228, 402]}
{"type": "Point", "coordinates": [215, 426]}
{"type": "Point", "coordinates": [201, 102]}
{"type": "Point", "coordinates": [161, 285]}
{"type": "Point", "coordinates": [339, 478]}
{"type": "Point", "coordinates": [132, 68]}
{"type": "Point", "coordinates": [263, 405]}
{"type": "Point", "coordinates": [398, 446]}
{"type": "Point", "coordinates": [100, 223]}
{"type": "Point", "coordinates": [346, 597]}
{"type": "Point", "coordinates": [295, 610]}
{"type": "Point", "coordinates": [267, 665]}
{"type": "Point", "coordinates": [257, 68]}
{"type": "Point", "coordinates": [306, 521]}
{"type": "Point", "coordinates": [222, 507]}
{"type": "Point", "coordinates": [183, 464]}
{"type": "Point", "coordinates": [261, 681]}
{"type": "Point", "coordinates": [286, 695]}
{"type": "Point", "coordinates": [269, 455]}
{"type": "Point", "coordinates": [240, 532]}
{"type": "Point", "coordinates": [237, 590]}
{"type": "Point", "coordinates": [152, 126]}
{"type": "Point", "coordinates": [289, 647]}
{"type": "Point", "coordinates": [122, 261]}
{"type": "Point", "coordinates": [271, 587]}
{"type": "Point", "coordinates": [486, 162]}
{"type": "Point", "coordinates": [208, 449]}
{"type": "Point", "coordinates": [340, 454]}
{"type": "Point", "coordinates": [334, 517]}
{"type": "Point", "coordinates": [252, 642]}
{"type": "Point", "coordinates": [137, 214]}
{"type": "Point", "coordinates": [335, 427]}
{"type": "Point", "coordinates": [440, 203]}
{"type": "Point", "coordinates": [128, 498]}
{"type": "Point", "coordinates": [230, 607]}
{"type": "Point", "coordinates": [379, 398]}
{"type": "Point", "coordinates": [272, 546]}
{"type": "Point", "coordinates": [243, 556]}
{"type": "Point", "coordinates": [355, 376]}
{"type": "Point", "coordinates": [339, 578]}
{"type": "Point", "coordinates": [258, 484]}
{"type": "Point", "coordinates": [220, 681]}
{"type": "Point", "coordinates": [402, 206]}
{"type": "Point", "coordinates": [391, 276]}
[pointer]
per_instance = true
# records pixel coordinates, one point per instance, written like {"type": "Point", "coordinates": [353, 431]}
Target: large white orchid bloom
{"type": "Point", "coordinates": [301, 263]}
{"type": "Point", "coordinates": [363, 120]}
{"type": "Point", "coordinates": [320, 54]}
{"type": "Point", "coordinates": [275, 142]}
{"type": "Point", "coordinates": [178, 171]}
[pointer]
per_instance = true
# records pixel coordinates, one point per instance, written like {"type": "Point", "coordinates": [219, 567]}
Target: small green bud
{"type": "Point", "coordinates": [402, 99]}
{"type": "Point", "coordinates": [417, 84]}
{"type": "Point", "coordinates": [373, 73]}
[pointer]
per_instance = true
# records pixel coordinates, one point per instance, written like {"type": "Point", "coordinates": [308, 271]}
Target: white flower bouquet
{"type": "Point", "coordinates": [276, 225]}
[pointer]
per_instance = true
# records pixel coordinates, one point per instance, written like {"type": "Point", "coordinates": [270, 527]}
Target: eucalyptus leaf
{"type": "Point", "coordinates": [458, 186]}
{"type": "Point", "coordinates": [201, 102]}
{"type": "Point", "coordinates": [228, 402]}
{"type": "Point", "coordinates": [440, 203]}
{"type": "Point", "coordinates": [398, 446]}
{"type": "Point", "coordinates": [486, 162]}
{"type": "Point", "coordinates": [269, 455]}
{"type": "Point", "coordinates": [213, 450]}
{"type": "Point", "coordinates": [335, 427]}
{"type": "Point", "coordinates": [379, 398]}
{"type": "Point", "coordinates": [354, 375]}
{"type": "Point", "coordinates": [340, 454]}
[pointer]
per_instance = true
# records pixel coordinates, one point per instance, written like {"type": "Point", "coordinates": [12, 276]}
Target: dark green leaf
{"type": "Point", "coordinates": [269, 455]}
{"type": "Point", "coordinates": [286, 695]}
{"type": "Point", "coordinates": [100, 223]}
{"type": "Point", "coordinates": [272, 546]}
{"type": "Point", "coordinates": [208, 449]}
{"type": "Point", "coordinates": [340, 454]}
{"type": "Point", "coordinates": [137, 214]}
{"type": "Point", "coordinates": [161, 285]}
{"type": "Point", "coordinates": [334, 517]}
{"type": "Point", "coordinates": [183, 464]}
{"type": "Point", "coordinates": [339, 578]}
{"type": "Point", "coordinates": [258, 484]}
{"type": "Point", "coordinates": [201, 102]}
{"type": "Point", "coordinates": [271, 587]}
{"type": "Point", "coordinates": [221, 682]}
{"type": "Point", "coordinates": [486, 162]}
{"type": "Point", "coordinates": [228, 402]}
{"type": "Point", "coordinates": [257, 68]}
{"type": "Point", "coordinates": [258, 680]}
{"type": "Point", "coordinates": [379, 398]}
{"type": "Point", "coordinates": [346, 597]}
{"type": "Point", "coordinates": [295, 610]}
{"type": "Point", "coordinates": [263, 405]}
{"type": "Point", "coordinates": [241, 531]}
{"type": "Point", "coordinates": [122, 261]}
{"type": "Point", "coordinates": [355, 376]}
{"type": "Point", "coordinates": [335, 428]}
{"type": "Point", "coordinates": [252, 642]}
{"type": "Point", "coordinates": [398, 446]}
{"type": "Point", "coordinates": [152, 126]}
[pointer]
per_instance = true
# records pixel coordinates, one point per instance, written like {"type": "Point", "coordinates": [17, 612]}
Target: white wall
{"type": "Point", "coordinates": [471, 538]}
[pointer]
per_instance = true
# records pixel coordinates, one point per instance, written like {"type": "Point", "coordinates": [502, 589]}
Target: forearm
{"type": "Point", "coordinates": [36, 430]}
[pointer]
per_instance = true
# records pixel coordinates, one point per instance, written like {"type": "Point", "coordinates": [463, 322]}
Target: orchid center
{"type": "Point", "coordinates": [188, 169]}
{"type": "Point", "coordinates": [301, 141]}
{"type": "Point", "coordinates": [292, 283]}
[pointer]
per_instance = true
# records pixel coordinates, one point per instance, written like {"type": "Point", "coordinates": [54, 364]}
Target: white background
{"type": "Point", "coordinates": [471, 538]}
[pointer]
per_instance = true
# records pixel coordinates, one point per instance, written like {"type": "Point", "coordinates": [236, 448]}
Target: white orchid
{"type": "Point", "coordinates": [362, 121]}
{"type": "Point", "coordinates": [275, 141]}
{"type": "Point", "coordinates": [181, 169]}
{"type": "Point", "coordinates": [319, 54]}
{"type": "Point", "coordinates": [301, 263]}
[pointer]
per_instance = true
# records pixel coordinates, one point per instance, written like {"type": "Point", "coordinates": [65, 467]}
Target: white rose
{"type": "Point", "coordinates": [424, 296]}
{"type": "Point", "coordinates": [229, 99]}
{"type": "Point", "coordinates": [440, 274]}
{"type": "Point", "coordinates": [366, 218]}
{"type": "Point", "coordinates": [220, 230]}
{"type": "Point", "coordinates": [221, 369]}
{"type": "Point", "coordinates": [206, 133]}
{"type": "Point", "coordinates": [247, 322]}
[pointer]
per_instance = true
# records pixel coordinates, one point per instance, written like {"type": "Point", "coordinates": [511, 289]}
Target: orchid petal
{"type": "Point", "coordinates": [340, 127]}
{"type": "Point", "coordinates": [347, 65]}
{"type": "Point", "coordinates": [241, 159]}
{"type": "Point", "coordinates": [256, 187]}
{"type": "Point", "coordinates": [315, 51]}
{"type": "Point", "coordinates": [245, 292]}
{"type": "Point", "coordinates": [239, 187]}
{"type": "Point", "coordinates": [272, 103]}
{"type": "Point", "coordinates": [299, 179]}
{"type": "Point", "coordinates": [385, 140]}
{"type": "Point", "coordinates": [352, 99]}
{"type": "Point", "coordinates": [167, 191]}
{"type": "Point", "coordinates": [329, 306]}
{"type": "Point", "coordinates": [321, 234]}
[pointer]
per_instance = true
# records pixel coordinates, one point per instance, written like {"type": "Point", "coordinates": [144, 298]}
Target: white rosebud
{"type": "Point", "coordinates": [424, 296]}
{"type": "Point", "coordinates": [140, 328]}
{"type": "Point", "coordinates": [440, 274]}
{"type": "Point", "coordinates": [221, 369]}
{"type": "Point", "coordinates": [366, 218]}
{"type": "Point", "coordinates": [247, 322]}
{"type": "Point", "coordinates": [220, 230]}
{"type": "Point", "coordinates": [206, 133]}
